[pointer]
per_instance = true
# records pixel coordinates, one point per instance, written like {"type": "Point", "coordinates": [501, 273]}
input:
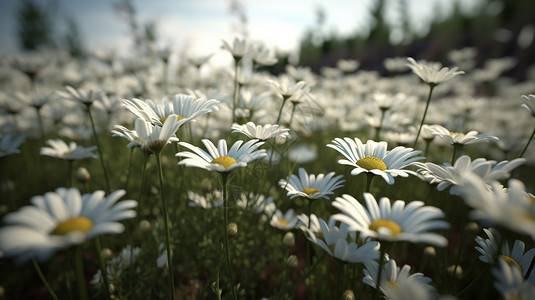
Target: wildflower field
{"type": "Point", "coordinates": [123, 180]}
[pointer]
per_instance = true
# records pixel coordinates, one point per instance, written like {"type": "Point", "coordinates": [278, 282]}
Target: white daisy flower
{"type": "Point", "coordinates": [261, 132]}
{"type": "Point", "coordinates": [410, 222]}
{"type": "Point", "coordinates": [287, 89]}
{"type": "Point", "coordinates": [432, 74]}
{"type": "Point", "coordinates": [286, 221]}
{"type": "Point", "coordinates": [60, 219]}
{"type": "Point", "coordinates": [60, 149]}
{"type": "Point", "coordinates": [185, 107]}
{"type": "Point", "coordinates": [10, 143]}
{"type": "Point", "coordinates": [511, 207]}
{"type": "Point", "coordinates": [221, 159]}
{"type": "Point", "coordinates": [448, 175]}
{"type": "Point", "coordinates": [517, 256]}
{"type": "Point", "coordinates": [459, 138]}
{"type": "Point", "coordinates": [311, 186]}
{"type": "Point", "coordinates": [510, 283]}
{"type": "Point", "coordinates": [210, 200]}
{"type": "Point", "coordinates": [392, 276]}
{"type": "Point", "coordinates": [373, 157]}
{"type": "Point", "coordinates": [154, 138]}
{"type": "Point", "coordinates": [239, 48]}
{"type": "Point", "coordinates": [333, 240]}
{"type": "Point", "coordinates": [117, 265]}
{"type": "Point", "coordinates": [529, 103]}
{"type": "Point", "coordinates": [258, 203]}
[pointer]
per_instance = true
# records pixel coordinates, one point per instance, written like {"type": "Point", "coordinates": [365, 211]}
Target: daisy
{"type": "Point", "coordinates": [432, 74]}
{"type": "Point", "coordinates": [10, 143]}
{"type": "Point", "coordinates": [239, 48]}
{"type": "Point", "coordinates": [286, 88]}
{"type": "Point", "coordinates": [210, 200]}
{"type": "Point", "coordinates": [185, 107]}
{"type": "Point", "coordinates": [83, 96]}
{"type": "Point", "coordinates": [221, 159]}
{"type": "Point", "coordinates": [410, 222]}
{"type": "Point", "coordinates": [60, 149]}
{"type": "Point", "coordinates": [258, 203]}
{"type": "Point", "coordinates": [373, 158]}
{"type": "Point", "coordinates": [261, 55]}
{"type": "Point", "coordinates": [60, 219]}
{"type": "Point", "coordinates": [333, 240]}
{"type": "Point", "coordinates": [130, 135]}
{"type": "Point", "coordinates": [459, 138]}
{"type": "Point", "coordinates": [510, 283]}
{"type": "Point", "coordinates": [529, 103]}
{"type": "Point", "coordinates": [117, 265]}
{"type": "Point", "coordinates": [392, 276]}
{"type": "Point", "coordinates": [286, 221]}
{"type": "Point", "coordinates": [261, 132]}
{"type": "Point", "coordinates": [311, 186]}
{"type": "Point", "coordinates": [154, 138]}
{"type": "Point", "coordinates": [448, 175]}
{"type": "Point", "coordinates": [512, 207]}
{"type": "Point", "coordinates": [516, 256]}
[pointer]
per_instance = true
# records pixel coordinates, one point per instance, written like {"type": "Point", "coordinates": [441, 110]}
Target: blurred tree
{"type": "Point", "coordinates": [35, 26]}
{"type": "Point", "coordinates": [73, 39]}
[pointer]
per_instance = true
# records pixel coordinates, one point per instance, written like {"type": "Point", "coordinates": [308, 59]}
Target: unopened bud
{"type": "Point", "coordinates": [111, 288]}
{"type": "Point", "coordinates": [288, 240]}
{"type": "Point", "coordinates": [232, 229]}
{"type": "Point", "coordinates": [106, 253]}
{"type": "Point", "coordinates": [458, 271]}
{"type": "Point", "coordinates": [472, 227]}
{"type": "Point", "coordinates": [2, 291]}
{"type": "Point", "coordinates": [82, 175]}
{"type": "Point", "coordinates": [145, 226]}
{"type": "Point", "coordinates": [206, 185]}
{"type": "Point", "coordinates": [292, 261]}
{"type": "Point", "coordinates": [430, 251]}
{"type": "Point", "coordinates": [348, 295]}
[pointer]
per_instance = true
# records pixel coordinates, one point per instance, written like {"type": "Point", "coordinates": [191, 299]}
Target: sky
{"type": "Point", "coordinates": [198, 27]}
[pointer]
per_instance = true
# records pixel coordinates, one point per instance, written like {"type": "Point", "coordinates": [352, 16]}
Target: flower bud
{"type": "Point", "coordinates": [348, 295]}
{"type": "Point", "coordinates": [106, 253]}
{"type": "Point", "coordinates": [111, 288]}
{"type": "Point", "coordinates": [430, 251]}
{"type": "Point", "coordinates": [472, 227]}
{"type": "Point", "coordinates": [82, 175]}
{"type": "Point", "coordinates": [206, 185]}
{"type": "Point", "coordinates": [292, 261]}
{"type": "Point", "coordinates": [2, 291]}
{"type": "Point", "coordinates": [232, 229]}
{"type": "Point", "coordinates": [458, 271]}
{"type": "Point", "coordinates": [288, 240]}
{"type": "Point", "coordinates": [145, 226]}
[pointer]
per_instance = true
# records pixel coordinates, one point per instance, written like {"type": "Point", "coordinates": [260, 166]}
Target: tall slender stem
{"type": "Point", "coordinates": [43, 279]}
{"type": "Point", "coordinates": [129, 168]}
{"type": "Point", "coordinates": [431, 87]}
{"type": "Point", "coordinates": [225, 216]}
{"type": "Point", "coordinates": [369, 179]}
{"type": "Point", "coordinates": [158, 155]}
{"type": "Point", "coordinates": [236, 90]}
{"type": "Point", "coordinates": [284, 99]}
{"type": "Point", "coordinates": [80, 275]}
{"type": "Point", "coordinates": [527, 144]}
{"type": "Point", "coordinates": [99, 148]}
{"type": "Point", "coordinates": [456, 147]}
{"type": "Point", "coordinates": [378, 130]}
{"type": "Point", "coordinates": [143, 173]}
{"type": "Point", "coordinates": [380, 271]}
{"type": "Point", "coordinates": [103, 269]}
{"type": "Point", "coordinates": [69, 181]}
{"type": "Point", "coordinates": [294, 105]}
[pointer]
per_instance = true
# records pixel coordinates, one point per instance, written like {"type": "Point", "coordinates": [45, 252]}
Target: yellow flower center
{"type": "Point", "coordinates": [73, 224]}
{"type": "Point", "coordinates": [393, 284]}
{"type": "Point", "coordinates": [456, 133]}
{"type": "Point", "coordinates": [531, 199]}
{"type": "Point", "coordinates": [283, 222]}
{"type": "Point", "coordinates": [225, 161]}
{"type": "Point", "coordinates": [331, 247]}
{"type": "Point", "coordinates": [310, 191]}
{"type": "Point", "coordinates": [371, 163]}
{"type": "Point", "coordinates": [510, 261]}
{"type": "Point", "coordinates": [178, 117]}
{"type": "Point", "coordinates": [395, 229]}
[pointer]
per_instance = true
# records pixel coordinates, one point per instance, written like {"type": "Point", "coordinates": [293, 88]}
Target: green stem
{"type": "Point", "coordinates": [527, 144]}
{"type": "Point", "coordinates": [43, 279]}
{"type": "Point", "coordinates": [460, 249]}
{"type": "Point", "coordinates": [80, 275]}
{"type": "Point", "coordinates": [427, 144]}
{"type": "Point", "coordinates": [284, 99]}
{"type": "Point", "coordinates": [380, 271]}
{"type": "Point", "coordinates": [225, 215]}
{"type": "Point", "coordinates": [143, 173]}
{"type": "Point", "coordinates": [158, 155]}
{"type": "Point", "coordinates": [378, 130]}
{"type": "Point", "coordinates": [294, 105]}
{"type": "Point", "coordinates": [103, 269]}
{"type": "Point", "coordinates": [369, 178]}
{"type": "Point", "coordinates": [69, 180]}
{"type": "Point", "coordinates": [455, 148]}
{"type": "Point", "coordinates": [339, 278]}
{"type": "Point", "coordinates": [129, 168]}
{"type": "Point", "coordinates": [236, 90]}
{"type": "Point", "coordinates": [431, 87]}
{"type": "Point", "coordinates": [99, 148]}
{"type": "Point", "coordinates": [473, 282]}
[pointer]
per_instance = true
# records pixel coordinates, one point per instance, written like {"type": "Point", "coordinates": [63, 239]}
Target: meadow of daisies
{"type": "Point", "coordinates": [135, 179]}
